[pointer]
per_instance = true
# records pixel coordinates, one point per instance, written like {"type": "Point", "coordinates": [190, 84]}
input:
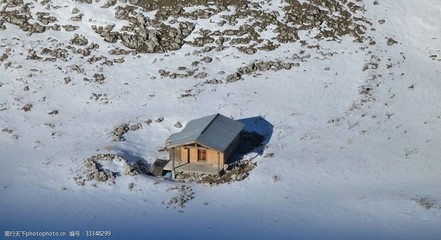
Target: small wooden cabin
{"type": "Point", "coordinates": [210, 140]}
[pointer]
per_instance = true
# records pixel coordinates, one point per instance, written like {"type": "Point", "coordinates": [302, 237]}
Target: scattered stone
{"type": "Point", "coordinates": [426, 203]}
{"type": "Point", "coordinates": [4, 57]}
{"type": "Point", "coordinates": [391, 41]}
{"type": "Point", "coordinates": [178, 125]}
{"type": "Point", "coordinates": [185, 194]}
{"type": "Point", "coordinates": [76, 68]}
{"type": "Point", "coordinates": [130, 186]}
{"type": "Point", "coordinates": [27, 107]}
{"type": "Point", "coordinates": [75, 10]}
{"type": "Point", "coordinates": [77, 18]}
{"type": "Point", "coordinates": [54, 112]}
{"type": "Point", "coordinates": [94, 170]}
{"type": "Point", "coordinates": [56, 27]}
{"type": "Point", "coordinates": [207, 59]}
{"type": "Point", "coordinates": [259, 66]}
{"type": "Point", "coordinates": [99, 78]}
{"type": "Point", "coordinates": [275, 178]}
{"type": "Point", "coordinates": [70, 28]}
{"type": "Point", "coordinates": [268, 155]}
{"type": "Point", "coordinates": [160, 119]}
{"type": "Point", "coordinates": [119, 131]}
{"type": "Point", "coordinates": [7, 130]}
{"type": "Point", "coordinates": [135, 127]}
{"type": "Point", "coordinates": [118, 51]}
{"type": "Point", "coordinates": [79, 40]}
{"type": "Point", "coordinates": [148, 121]}
{"type": "Point", "coordinates": [201, 75]}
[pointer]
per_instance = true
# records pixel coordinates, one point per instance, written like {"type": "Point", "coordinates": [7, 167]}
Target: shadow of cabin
{"type": "Point", "coordinates": [256, 133]}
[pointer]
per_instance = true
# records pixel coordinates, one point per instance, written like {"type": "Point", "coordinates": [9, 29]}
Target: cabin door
{"type": "Point", "coordinates": [202, 155]}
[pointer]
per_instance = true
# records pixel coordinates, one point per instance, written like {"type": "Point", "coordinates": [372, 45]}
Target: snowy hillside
{"type": "Point", "coordinates": [350, 87]}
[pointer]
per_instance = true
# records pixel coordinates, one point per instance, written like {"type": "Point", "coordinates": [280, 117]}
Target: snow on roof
{"type": "Point", "coordinates": [215, 131]}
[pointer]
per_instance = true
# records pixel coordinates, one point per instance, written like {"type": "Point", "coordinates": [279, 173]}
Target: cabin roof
{"type": "Point", "coordinates": [215, 131]}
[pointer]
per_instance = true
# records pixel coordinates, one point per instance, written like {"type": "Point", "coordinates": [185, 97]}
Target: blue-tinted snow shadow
{"type": "Point", "coordinates": [129, 156]}
{"type": "Point", "coordinates": [260, 126]}
{"type": "Point", "coordinates": [132, 157]}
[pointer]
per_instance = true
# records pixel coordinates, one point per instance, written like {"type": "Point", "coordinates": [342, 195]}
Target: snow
{"type": "Point", "coordinates": [347, 169]}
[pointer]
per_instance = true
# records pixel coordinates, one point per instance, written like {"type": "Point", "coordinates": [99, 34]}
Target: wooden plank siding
{"type": "Point", "coordinates": [193, 155]}
{"type": "Point", "coordinates": [212, 157]}
{"type": "Point", "coordinates": [184, 155]}
{"type": "Point", "coordinates": [189, 154]}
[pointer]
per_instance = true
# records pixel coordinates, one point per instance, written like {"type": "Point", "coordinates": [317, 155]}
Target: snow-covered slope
{"type": "Point", "coordinates": [356, 118]}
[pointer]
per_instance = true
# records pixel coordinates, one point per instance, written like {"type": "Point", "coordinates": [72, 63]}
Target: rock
{"type": "Point", "coordinates": [130, 186]}
{"type": "Point", "coordinates": [178, 125]}
{"type": "Point", "coordinates": [7, 130]}
{"type": "Point", "coordinates": [81, 182]}
{"type": "Point", "coordinates": [207, 59]}
{"type": "Point", "coordinates": [241, 176]}
{"type": "Point", "coordinates": [226, 167]}
{"type": "Point", "coordinates": [27, 107]}
{"type": "Point", "coordinates": [119, 131]}
{"type": "Point", "coordinates": [119, 60]}
{"type": "Point", "coordinates": [70, 28]}
{"type": "Point", "coordinates": [160, 119]}
{"type": "Point", "coordinates": [201, 75]}
{"type": "Point", "coordinates": [249, 51]}
{"type": "Point", "coordinates": [135, 127]}
{"type": "Point", "coordinates": [99, 77]}
{"type": "Point", "coordinates": [75, 10]}
{"type": "Point", "coordinates": [233, 77]}
{"type": "Point", "coordinates": [148, 121]}
{"type": "Point", "coordinates": [233, 177]}
{"type": "Point", "coordinates": [79, 40]}
{"type": "Point", "coordinates": [76, 68]}
{"type": "Point", "coordinates": [67, 80]}
{"type": "Point", "coordinates": [77, 18]}
{"type": "Point", "coordinates": [56, 27]}
{"type": "Point", "coordinates": [268, 155]}
{"type": "Point", "coordinates": [391, 41]}
{"type": "Point", "coordinates": [54, 112]}
{"type": "Point", "coordinates": [118, 51]}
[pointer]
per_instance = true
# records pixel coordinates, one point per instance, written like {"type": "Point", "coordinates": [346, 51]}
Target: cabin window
{"type": "Point", "coordinates": [202, 155]}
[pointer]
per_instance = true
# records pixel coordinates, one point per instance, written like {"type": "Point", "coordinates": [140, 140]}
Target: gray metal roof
{"type": "Point", "coordinates": [214, 131]}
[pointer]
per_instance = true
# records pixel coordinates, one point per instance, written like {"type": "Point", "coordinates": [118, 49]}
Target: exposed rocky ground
{"type": "Point", "coordinates": [243, 25]}
{"type": "Point", "coordinates": [236, 171]}
{"type": "Point", "coordinates": [185, 194]}
{"type": "Point", "coordinates": [95, 171]}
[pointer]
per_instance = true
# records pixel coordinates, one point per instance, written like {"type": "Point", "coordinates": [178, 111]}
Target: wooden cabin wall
{"type": "Point", "coordinates": [229, 152]}
{"type": "Point", "coordinates": [212, 157]}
